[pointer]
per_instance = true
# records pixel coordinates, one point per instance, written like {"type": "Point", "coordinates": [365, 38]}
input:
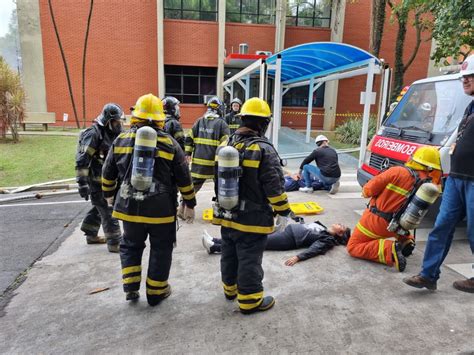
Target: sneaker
{"type": "Point", "coordinates": [95, 239]}
{"type": "Point", "coordinates": [113, 248]}
{"type": "Point", "coordinates": [267, 303]}
{"type": "Point", "coordinates": [305, 189]}
{"type": "Point", "coordinates": [419, 281]}
{"type": "Point", "coordinates": [398, 258]}
{"type": "Point", "coordinates": [207, 242]}
{"type": "Point", "coordinates": [132, 295]}
{"type": "Point", "coordinates": [156, 300]}
{"type": "Point", "coordinates": [465, 285]}
{"type": "Point", "coordinates": [334, 188]}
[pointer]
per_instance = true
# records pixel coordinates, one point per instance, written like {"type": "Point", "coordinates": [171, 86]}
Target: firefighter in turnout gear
{"type": "Point", "coordinates": [388, 194]}
{"type": "Point", "coordinates": [147, 207]}
{"type": "Point", "coordinates": [93, 146]}
{"type": "Point", "coordinates": [261, 193]}
{"type": "Point", "coordinates": [172, 124]}
{"type": "Point", "coordinates": [233, 119]}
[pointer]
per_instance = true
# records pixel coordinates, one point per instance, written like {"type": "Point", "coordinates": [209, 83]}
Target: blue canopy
{"type": "Point", "coordinates": [318, 59]}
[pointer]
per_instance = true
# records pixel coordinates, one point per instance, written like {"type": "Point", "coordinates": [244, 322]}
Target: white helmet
{"type": "Point", "coordinates": [467, 67]}
{"type": "Point", "coordinates": [321, 138]}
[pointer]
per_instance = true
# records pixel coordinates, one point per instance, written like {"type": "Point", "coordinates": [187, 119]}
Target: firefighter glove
{"type": "Point", "coordinates": [188, 214]}
{"type": "Point", "coordinates": [84, 191]}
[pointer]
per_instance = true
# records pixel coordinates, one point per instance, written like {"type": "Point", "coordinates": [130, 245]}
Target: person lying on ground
{"type": "Point", "coordinates": [294, 181]}
{"type": "Point", "coordinates": [314, 236]}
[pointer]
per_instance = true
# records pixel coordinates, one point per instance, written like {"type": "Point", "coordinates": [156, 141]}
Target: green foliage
{"type": "Point", "coordinates": [453, 28]}
{"type": "Point", "coordinates": [12, 100]}
{"type": "Point", "coordinates": [350, 131]}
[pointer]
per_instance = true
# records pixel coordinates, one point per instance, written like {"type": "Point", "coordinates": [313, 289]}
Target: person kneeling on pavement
{"type": "Point", "coordinates": [293, 182]}
{"type": "Point", "coordinates": [143, 172]}
{"type": "Point", "coordinates": [389, 192]}
{"type": "Point", "coordinates": [326, 170]}
{"type": "Point", "coordinates": [314, 236]}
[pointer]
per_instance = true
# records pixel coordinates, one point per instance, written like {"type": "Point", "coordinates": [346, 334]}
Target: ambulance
{"type": "Point", "coordinates": [428, 114]}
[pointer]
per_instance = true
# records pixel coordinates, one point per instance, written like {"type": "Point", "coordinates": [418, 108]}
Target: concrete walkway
{"type": "Point", "coordinates": [329, 304]}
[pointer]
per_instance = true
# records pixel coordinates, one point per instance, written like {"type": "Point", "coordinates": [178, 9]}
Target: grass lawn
{"type": "Point", "coordinates": [36, 159]}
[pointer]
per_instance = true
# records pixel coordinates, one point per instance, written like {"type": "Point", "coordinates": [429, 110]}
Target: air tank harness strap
{"type": "Point", "coordinates": [385, 215]}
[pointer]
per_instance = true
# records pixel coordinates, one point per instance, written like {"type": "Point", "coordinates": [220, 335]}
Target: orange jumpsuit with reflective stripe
{"type": "Point", "coordinates": [388, 192]}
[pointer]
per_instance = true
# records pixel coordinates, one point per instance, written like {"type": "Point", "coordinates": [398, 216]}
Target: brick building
{"type": "Point", "coordinates": [171, 47]}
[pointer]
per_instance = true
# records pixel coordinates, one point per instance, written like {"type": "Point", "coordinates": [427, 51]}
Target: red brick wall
{"type": "Point", "coordinates": [349, 89]}
{"type": "Point", "coordinates": [299, 35]}
{"type": "Point", "coordinates": [258, 37]}
{"type": "Point", "coordinates": [190, 112]}
{"type": "Point", "coordinates": [121, 54]}
{"type": "Point", "coordinates": [191, 43]}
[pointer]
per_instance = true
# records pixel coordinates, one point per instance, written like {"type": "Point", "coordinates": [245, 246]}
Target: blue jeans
{"type": "Point", "coordinates": [309, 170]}
{"type": "Point", "coordinates": [457, 202]}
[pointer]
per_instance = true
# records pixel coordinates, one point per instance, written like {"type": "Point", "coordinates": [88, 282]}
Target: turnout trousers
{"type": "Point", "coordinates": [162, 237]}
{"type": "Point", "coordinates": [101, 214]}
{"type": "Point", "coordinates": [241, 266]}
{"type": "Point", "coordinates": [369, 240]}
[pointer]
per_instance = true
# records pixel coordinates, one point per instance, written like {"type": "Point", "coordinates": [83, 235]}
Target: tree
{"type": "Point", "coordinates": [12, 100]}
{"type": "Point", "coordinates": [453, 29]}
{"type": "Point", "coordinates": [377, 26]}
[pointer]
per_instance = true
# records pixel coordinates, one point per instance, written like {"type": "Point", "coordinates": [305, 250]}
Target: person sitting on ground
{"type": "Point", "coordinates": [293, 182]}
{"type": "Point", "coordinates": [327, 167]}
{"type": "Point", "coordinates": [315, 236]}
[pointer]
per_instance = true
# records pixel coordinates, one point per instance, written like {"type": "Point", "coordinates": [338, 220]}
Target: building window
{"type": "Point", "coordinates": [299, 97]}
{"type": "Point", "coordinates": [203, 10]}
{"type": "Point", "coordinates": [190, 84]}
{"type": "Point", "coordinates": [250, 11]}
{"type": "Point", "coordinates": [310, 13]}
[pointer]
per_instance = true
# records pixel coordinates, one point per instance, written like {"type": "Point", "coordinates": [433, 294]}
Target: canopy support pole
{"type": "Point", "coordinates": [247, 87]}
{"type": "Point", "coordinates": [310, 110]}
{"type": "Point", "coordinates": [277, 103]}
{"type": "Point", "coordinates": [367, 103]}
{"type": "Point", "coordinates": [263, 78]}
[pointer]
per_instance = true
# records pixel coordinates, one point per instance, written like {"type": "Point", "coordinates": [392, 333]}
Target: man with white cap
{"type": "Point", "coordinates": [327, 167]}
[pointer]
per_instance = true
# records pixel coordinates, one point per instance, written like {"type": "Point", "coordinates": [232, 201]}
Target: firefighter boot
{"type": "Point", "coordinates": [132, 295]}
{"type": "Point", "coordinates": [113, 247]}
{"type": "Point", "coordinates": [95, 239]}
{"type": "Point", "coordinates": [156, 300]}
{"type": "Point", "coordinates": [465, 285]}
{"type": "Point", "coordinates": [399, 260]}
{"type": "Point", "coordinates": [419, 281]}
{"type": "Point", "coordinates": [267, 303]}
{"type": "Point", "coordinates": [407, 247]}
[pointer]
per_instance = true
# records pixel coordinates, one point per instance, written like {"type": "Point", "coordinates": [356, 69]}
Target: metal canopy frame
{"type": "Point", "coordinates": [312, 64]}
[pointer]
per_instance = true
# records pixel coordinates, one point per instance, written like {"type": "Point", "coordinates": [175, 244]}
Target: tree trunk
{"type": "Point", "coordinates": [399, 67]}
{"type": "Point", "coordinates": [84, 56]}
{"type": "Point", "coordinates": [378, 22]}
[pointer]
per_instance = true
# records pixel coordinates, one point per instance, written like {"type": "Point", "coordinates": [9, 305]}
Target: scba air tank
{"type": "Point", "coordinates": [228, 172]}
{"type": "Point", "coordinates": [143, 158]}
{"type": "Point", "coordinates": [425, 196]}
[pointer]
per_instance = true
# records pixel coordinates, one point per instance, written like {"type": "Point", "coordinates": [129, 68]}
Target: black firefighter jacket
{"type": "Point", "coordinates": [174, 129]}
{"type": "Point", "coordinates": [234, 122]}
{"type": "Point", "coordinates": [93, 145]}
{"type": "Point", "coordinates": [206, 135]}
{"type": "Point", "coordinates": [261, 186]}
{"type": "Point", "coordinates": [170, 171]}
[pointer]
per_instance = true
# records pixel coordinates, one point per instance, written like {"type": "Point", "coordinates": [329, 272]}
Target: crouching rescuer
{"type": "Point", "coordinates": [249, 190]}
{"type": "Point", "coordinates": [143, 171]}
{"type": "Point", "coordinates": [399, 199]}
{"type": "Point", "coordinates": [93, 146]}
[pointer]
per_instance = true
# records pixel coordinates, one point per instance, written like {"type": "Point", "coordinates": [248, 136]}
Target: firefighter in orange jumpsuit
{"type": "Point", "coordinates": [388, 193]}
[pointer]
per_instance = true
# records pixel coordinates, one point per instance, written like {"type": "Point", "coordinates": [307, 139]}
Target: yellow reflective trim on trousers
{"type": "Point", "coordinates": [279, 198]}
{"type": "Point", "coordinates": [131, 269]}
{"type": "Point", "coordinates": [382, 251]}
{"type": "Point", "coordinates": [131, 280]}
{"type": "Point", "coordinates": [143, 219]}
{"type": "Point", "coordinates": [164, 155]}
{"type": "Point", "coordinates": [252, 296]}
{"type": "Point", "coordinates": [107, 188]}
{"type": "Point", "coordinates": [108, 182]}
{"type": "Point", "coordinates": [189, 196]}
{"type": "Point", "coordinates": [397, 189]}
{"type": "Point", "coordinates": [203, 162]}
{"type": "Point", "coordinates": [230, 288]}
{"type": "Point", "coordinates": [201, 176]}
{"type": "Point", "coordinates": [284, 207]}
{"type": "Point", "coordinates": [251, 163]}
{"type": "Point", "coordinates": [156, 283]}
{"type": "Point", "coordinates": [367, 232]}
{"type": "Point", "coordinates": [185, 189]}
{"type": "Point", "coordinates": [248, 306]}
{"type": "Point", "coordinates": [243, 227]}
{"type": "Point", "coordinates": [152, 292]}
{"type": "Point", "coordinates": [123, 150]}
{"type": "Point", "coordinates": [206, 141]}
{"type": "Point", "coordinates": [82, 172]}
